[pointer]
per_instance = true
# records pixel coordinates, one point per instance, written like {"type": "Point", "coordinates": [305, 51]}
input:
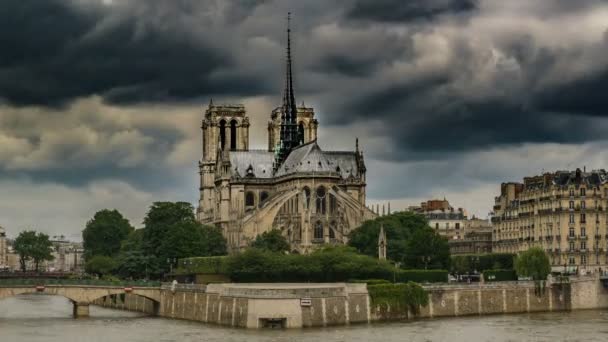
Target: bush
{"type": "Point", "coordinates": [409, 296]}
{"type": "Point", "coordinates": [499, 275]}
{"type": "Point", "coordinates": [204, 265]}
{"type": "Point", "coordinates": [422, 276]}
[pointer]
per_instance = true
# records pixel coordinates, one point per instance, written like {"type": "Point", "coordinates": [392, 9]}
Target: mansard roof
{"type": "Point", "coordinates": [578, 177]}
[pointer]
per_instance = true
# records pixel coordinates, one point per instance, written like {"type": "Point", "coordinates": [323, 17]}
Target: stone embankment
{"type": "Point", "coordinates": [317, 305]}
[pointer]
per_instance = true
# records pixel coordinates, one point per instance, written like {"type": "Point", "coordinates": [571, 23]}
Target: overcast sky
{"type": "Point", "coordinates": [101, 100]}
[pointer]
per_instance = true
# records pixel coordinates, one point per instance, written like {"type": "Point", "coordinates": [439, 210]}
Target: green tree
{"type": "Point", "coordinates": [533, 263]}
{"type": "Point", "coordinates": [34, 246]}
{"type": "Point", "coordinates": [100, 265]}
{"type": "Point", "coordinates": [398, 227]}
{"type": "Point", "coordinates": [159, 221]}
{"type": "Point", "coordinates": [24, 246]}
{"type": "Point", "coordinates": [104, 233]}
{"type": "Point", "coordinates": [213, 241]}
{"type": "Point", "coordinates": [271, 240]}
{"type": "Point", "coordinates": [427, 249]}
{"type": "Point", "coordinates": [42, 251]}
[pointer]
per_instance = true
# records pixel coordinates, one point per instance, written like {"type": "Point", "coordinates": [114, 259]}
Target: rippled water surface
{"type": "Point", "coordinates": [48, 318]}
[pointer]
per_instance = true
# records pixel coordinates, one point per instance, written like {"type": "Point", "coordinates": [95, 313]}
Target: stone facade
{"type": "Point", "coordinates": [446, 220]}
{"type": "Point", "coordinates": [312, 196]}
{"type": "Point", "coordinates": [3, 249]}
{"type": "Point", "coordinates": [319, 305]}
{"type": "Point", "coordinates": [562, 212]}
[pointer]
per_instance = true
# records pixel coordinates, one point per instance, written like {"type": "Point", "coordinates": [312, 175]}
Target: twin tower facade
{"type": "Point", "coordinates": [313, 197]}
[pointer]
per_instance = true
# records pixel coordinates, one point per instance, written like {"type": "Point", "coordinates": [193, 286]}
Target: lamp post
{"type": "Point", "coordinates": [426, 259]}
{"type": "Point", "coordinates": [171, 261]}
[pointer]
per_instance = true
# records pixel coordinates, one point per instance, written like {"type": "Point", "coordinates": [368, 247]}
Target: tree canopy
{"type": "Point", "coordinates": [160, 219]}
{"type": "Point", "coordinates": [400, 229]}
{"type": "Point", "coordinates": [427, 249]}
{"type": "Point", "coordinates": [533, 263]}
{"type": "Point", "coordinates": [271, 240]}
{"type": "Point", "coordinates": [100, 265]}
{"type": "Point", "coordinates": [33, 246]}
{"type": "Point", "coordinates": [104, 233]}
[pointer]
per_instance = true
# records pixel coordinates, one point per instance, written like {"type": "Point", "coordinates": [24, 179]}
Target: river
{"type": "Point", "coordinates": [35, 318]}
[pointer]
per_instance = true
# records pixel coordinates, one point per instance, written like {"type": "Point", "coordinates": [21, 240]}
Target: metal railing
{"type": "Point", "coordinates": [76, 282]}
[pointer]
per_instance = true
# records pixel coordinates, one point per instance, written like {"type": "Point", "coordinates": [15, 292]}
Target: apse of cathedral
{"type": "Point", "coordinates": [314, 197]}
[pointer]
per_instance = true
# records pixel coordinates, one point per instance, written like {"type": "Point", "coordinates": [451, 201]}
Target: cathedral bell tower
{"type": "Point", "coordinates": [225, 128]}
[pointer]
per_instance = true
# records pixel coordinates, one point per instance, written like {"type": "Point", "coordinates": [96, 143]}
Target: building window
{"type": "Point", "coordinates": [583, 231]}
{"type": "Point", "coordinates": [318, 231]}
{"type": "Point", "coordinates": [571, 246]}
{"type": "Point", "coordinates": [583, 245]}
{"type": "Point", "coordinates": [307, 197]}
{"type": "Point", "coordinates": [571, 204]}
{"type": "Point", "coordinates": [447, 225]}
{"type": "Point", "coordinates": [333, 204]}
{"type": "Point", "coordinates": [233, 135]}
{"type": "Point", "coordinates": [457, 225]}
{"type": "Point", "coordinates": [571, 232]}
{"type": "Point", "coordinates": [321, 204]}
{"type": "Point", "coordinates": [249, 199]}
{"type": "Point", "coordinates": [583, 218]}
{"type": "Point", "coordinates": [582, 204]}
{"type": "Point", "coordinates": [583, 259]}
{"type": "Point", "coordinates": [571, 192]}
{"type": "Point", "coordinates": [582, 191]}
{"type": "Point", "coordinates": [301, 133]}
{"type": "Point", "coordinates": [223, 134]}
{"type": "Point", "coordinates": [263, 196]}
{"type": "Point", "coordinates": [571, 218]}
{"type": "Point", "coordinates": [437, 226]}
{"type": "Point", "coordinates": [571, 260]}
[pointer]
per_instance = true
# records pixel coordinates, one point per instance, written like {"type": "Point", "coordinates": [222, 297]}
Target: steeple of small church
{"type": "Point", "coordinates": [289, 127]}
{"type": "Point", "coordinates": [382, 244]}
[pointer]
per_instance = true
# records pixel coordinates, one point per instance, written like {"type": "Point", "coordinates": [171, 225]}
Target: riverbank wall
{"type": "Point", "coordinates": [317, 305]}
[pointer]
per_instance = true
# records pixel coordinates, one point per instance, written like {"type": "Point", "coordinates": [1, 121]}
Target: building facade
{"type": "Point", "coordinates": [561, 212]}
{"type": "Point", "coordinates": [312, 196]}
{"type": "Point", "coordinates": [442, 217]}
{"type": "Point", "coordinates": [3, 249]}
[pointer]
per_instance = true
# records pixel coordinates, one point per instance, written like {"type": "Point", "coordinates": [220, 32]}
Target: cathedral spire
{"type": "Point", "coordinates": [289, 112]}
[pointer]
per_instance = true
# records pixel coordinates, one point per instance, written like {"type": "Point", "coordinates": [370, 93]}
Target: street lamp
{"type": "Point", "coordinates": [171, 261]}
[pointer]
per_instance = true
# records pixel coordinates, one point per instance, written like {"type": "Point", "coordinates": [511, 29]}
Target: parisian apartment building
{"type": "Point", "coordinates": [562, 212]}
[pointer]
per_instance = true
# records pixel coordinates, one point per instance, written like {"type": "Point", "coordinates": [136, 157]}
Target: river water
{"type": "Point", "coordinates": [34, 318]}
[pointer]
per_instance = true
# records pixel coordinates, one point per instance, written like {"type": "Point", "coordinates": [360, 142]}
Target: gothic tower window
{"type": "Point", "coordinates": [321, 204]}
{"type": "Point", "coordinates": [249, 199]}
{"type": "Point", "coordinates": [301, 132]}
{"type": "Point", "coordinates": [223, 134]}
{"type": "Point", "coordinates": [318, 233]}
{"type": "Point", "coordinates": [233, 135]}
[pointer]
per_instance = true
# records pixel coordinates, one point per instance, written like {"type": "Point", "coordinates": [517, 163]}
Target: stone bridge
{"type": "Point", "coordinates": [83, 295]}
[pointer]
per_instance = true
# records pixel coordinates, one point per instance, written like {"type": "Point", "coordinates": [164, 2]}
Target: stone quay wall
{"type": "Point", "coordinates": [318, 305]}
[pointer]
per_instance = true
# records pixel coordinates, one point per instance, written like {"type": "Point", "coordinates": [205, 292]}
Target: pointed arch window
{"type": "Point", "coordinates": [263, 196]}
{"type": "Point", "coordinates": [307, 197]}
{"type": "Point", "coordinates": [318, 232]}
{"type": "Point", "coordinates": [223, 134]}
{"type": "Point", "coordinates": [233, 135]}
{"type": "Point", "coordinates": [333, 204]}
{"type": "Point", "coordinates": [321, 203]}
{"type": "Point", "coordinates": [249, 199]}
{"type": "Point", "coordinates": [301, 132]}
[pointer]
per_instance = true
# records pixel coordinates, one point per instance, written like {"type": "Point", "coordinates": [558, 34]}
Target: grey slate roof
{"type": "Point", "coordinates": [261, 162]}
{"type": "Point", "coordinates": [305, 158]}
{"type": "Point", "coordinates": [310, 158]}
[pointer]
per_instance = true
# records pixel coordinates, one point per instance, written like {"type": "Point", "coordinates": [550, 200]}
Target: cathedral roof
{"type": "Point", "coordinates": [252, 163]}
{"type": "Point", "coordinates": [309, 158]}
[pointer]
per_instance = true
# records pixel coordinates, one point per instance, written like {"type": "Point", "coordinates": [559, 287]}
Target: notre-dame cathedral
{"type": "Point", "coordinates": [312, 196]}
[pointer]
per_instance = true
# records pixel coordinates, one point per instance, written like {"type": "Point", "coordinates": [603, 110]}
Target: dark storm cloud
{"type": "Point", "coordinates": [53, 52]}
{"type": "Point", "coordinates": [403, 11]}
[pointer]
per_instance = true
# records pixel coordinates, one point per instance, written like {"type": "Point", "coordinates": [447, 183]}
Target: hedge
{"type": "Point", "coordinates": [204, 265]}
{"type": "Point", "coordinates": [499, 275]}
{"type": "Point", "coordinates": [482, 262]}
{"type": "Point", "coordinates": [422, 276]}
